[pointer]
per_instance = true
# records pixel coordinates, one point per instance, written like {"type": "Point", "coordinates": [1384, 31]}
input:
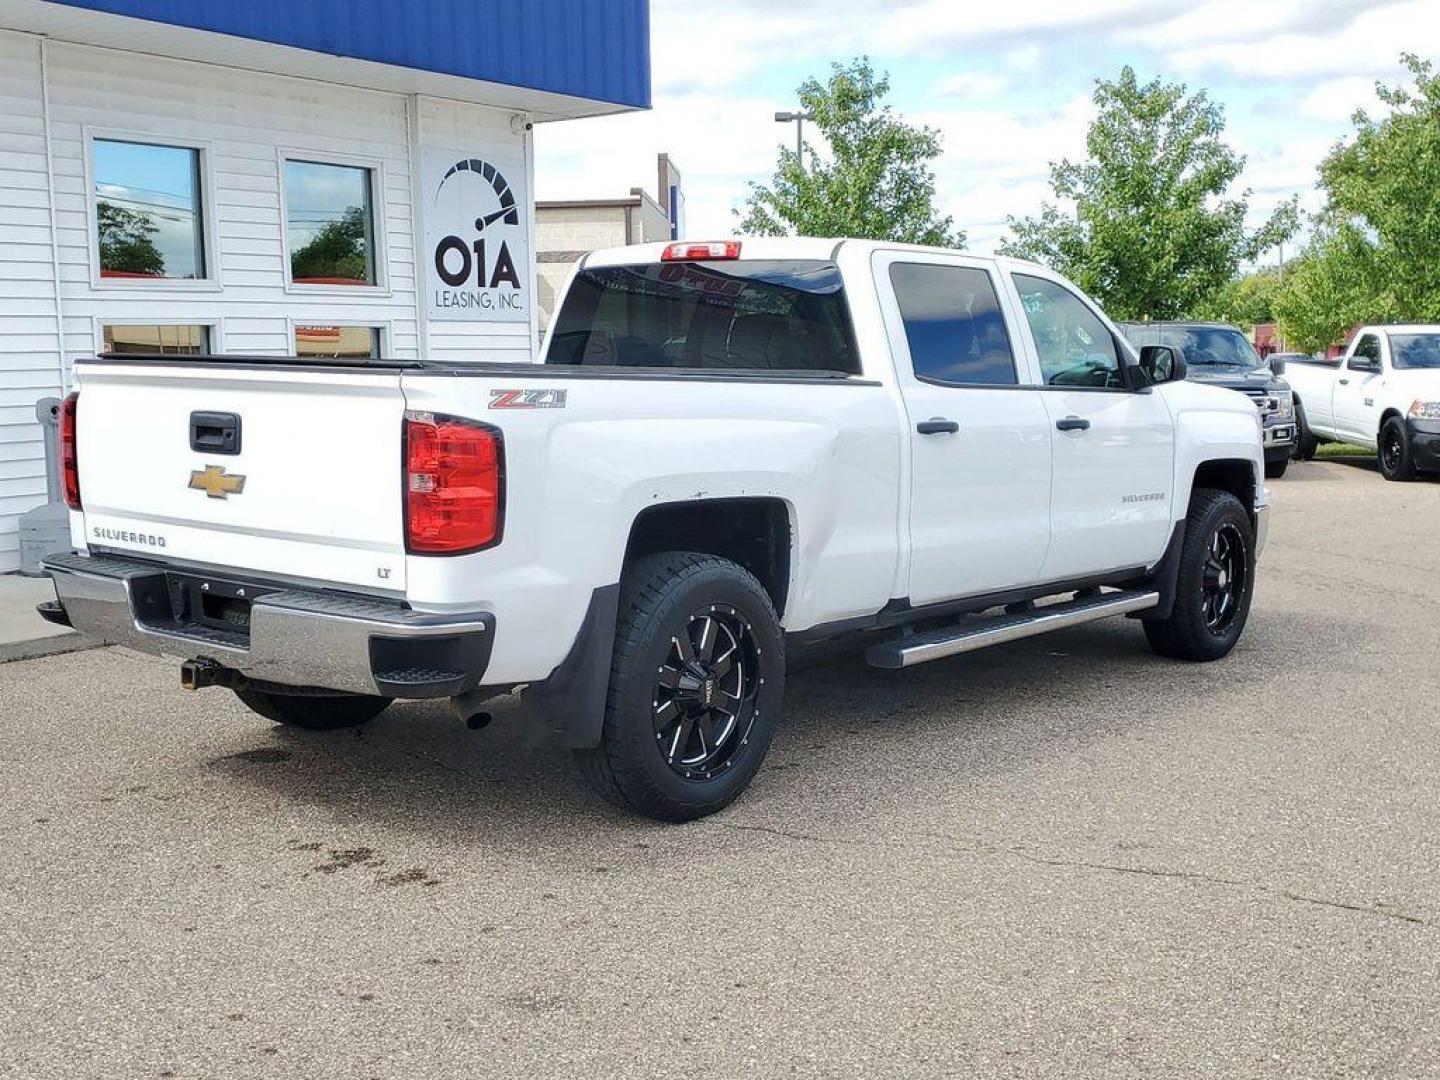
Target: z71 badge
{"type": "Point", "coordinates": [527, 399]}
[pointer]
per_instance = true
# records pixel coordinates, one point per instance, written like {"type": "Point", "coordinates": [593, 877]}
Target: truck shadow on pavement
{"type": "Point", "coordinates": [851, 734]}
{"type": "Point", "coordinates": [1305, 471]}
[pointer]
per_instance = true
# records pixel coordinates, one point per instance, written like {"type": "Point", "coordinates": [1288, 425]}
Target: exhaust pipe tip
{"type": "Point", "coordinates": [467, 708]}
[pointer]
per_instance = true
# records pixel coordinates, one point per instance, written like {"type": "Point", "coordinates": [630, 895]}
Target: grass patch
{"type": "Point", "coordinates": [1337, 449]}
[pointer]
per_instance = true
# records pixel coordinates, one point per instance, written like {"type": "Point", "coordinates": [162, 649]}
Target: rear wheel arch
{"type": "Point", "coordinates": [756, 533]}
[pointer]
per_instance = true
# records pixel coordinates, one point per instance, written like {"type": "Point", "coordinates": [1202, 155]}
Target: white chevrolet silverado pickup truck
{"type": "Point", "coordinates": [1384, 393]}
{"type": "Point", "coordinates": [728, 448]}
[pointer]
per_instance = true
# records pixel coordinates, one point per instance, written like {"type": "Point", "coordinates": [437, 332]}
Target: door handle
{"type": "Point", "coordinates": [1344, 382]}
{"type": "Point", "coordinates": [937, 425]}
{"type": "Point", "coordinates": [1073, 423]}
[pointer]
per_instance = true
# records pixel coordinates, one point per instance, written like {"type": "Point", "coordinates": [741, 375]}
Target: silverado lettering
{"type": "Point", "coordinates": [120, 536]}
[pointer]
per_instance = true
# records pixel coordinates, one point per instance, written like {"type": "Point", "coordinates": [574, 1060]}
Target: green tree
{"type": "Point", "coordinates": [339, 250]}
{"type": "Point", "coordinates": [1336, 283]}
{"type": "Point", "coordinates": [875, 183]}
{"type": "Point", "coordinates": [1155, 231]}
{"type": "Point", "coordinates": [1244, 301]}
{"type": "Point", "coordinates": [1374, 255]}
{"type": "Point", "coordinates": [125, 240]}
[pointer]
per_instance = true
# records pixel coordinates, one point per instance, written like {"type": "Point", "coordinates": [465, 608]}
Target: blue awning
{"type": "Point", "coordinates": [593, 49]}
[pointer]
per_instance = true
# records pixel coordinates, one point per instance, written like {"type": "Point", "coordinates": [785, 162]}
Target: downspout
{"type": "Point", "coordinates": [417, 226]}
{"type": "Point", "coordinates": [50, 199]}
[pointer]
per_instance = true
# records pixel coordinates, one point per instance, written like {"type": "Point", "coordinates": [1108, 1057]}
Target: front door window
{"type": "Point", "coordinates": [1075, 347]}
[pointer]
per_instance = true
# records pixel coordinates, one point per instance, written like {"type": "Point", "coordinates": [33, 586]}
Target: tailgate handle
{"type": "Point", "coordinates": [215, 433]}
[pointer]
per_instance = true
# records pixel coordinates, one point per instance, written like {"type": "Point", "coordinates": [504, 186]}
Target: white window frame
{"type": "Point", "coordinates": [209, 222]}
{"type": "Point", "coordinates": [382, 325]}
{"type": "Point", "coordinates": [215, 325]}
{"type": "Point", "coordinates": [381, 288]}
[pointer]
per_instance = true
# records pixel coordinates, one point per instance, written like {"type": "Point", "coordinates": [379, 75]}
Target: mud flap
{"type": "Point", "coordinates": [572, 700]}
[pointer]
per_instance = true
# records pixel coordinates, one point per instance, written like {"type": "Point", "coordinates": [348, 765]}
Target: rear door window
{"type": "Point", "coordinates": [753, 315]}
{"type": "Point", "coordinates": [954, 325]}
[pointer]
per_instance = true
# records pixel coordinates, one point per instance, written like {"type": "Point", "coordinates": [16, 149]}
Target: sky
{"type": "Point", "coordinates": [1008, 86]}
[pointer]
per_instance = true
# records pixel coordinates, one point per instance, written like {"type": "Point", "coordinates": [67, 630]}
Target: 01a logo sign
{"type": "Point", "coordinates": [478, 246]}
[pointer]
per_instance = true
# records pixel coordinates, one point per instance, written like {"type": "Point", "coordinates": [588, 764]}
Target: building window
{"type": "Point", "coordinates": [149, 219]}
{"type": "Point", "coordinates": [338, 342]}
{"type": "Point", "coordinates": [157, 339]}
{"type": "Point", "coordinates": [330, 224]}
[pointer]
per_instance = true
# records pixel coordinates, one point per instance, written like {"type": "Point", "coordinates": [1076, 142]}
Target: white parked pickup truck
{"type": "Point", "coordinates": [729, 447]}
{"type": "Point", "coordinates": [1384, 393]}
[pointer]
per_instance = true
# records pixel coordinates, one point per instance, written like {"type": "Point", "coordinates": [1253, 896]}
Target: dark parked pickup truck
{"type": "Point", "coordinates": [1221, 355]}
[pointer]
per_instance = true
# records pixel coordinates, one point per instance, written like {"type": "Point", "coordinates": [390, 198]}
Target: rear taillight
{"type": "Point", "coordinates": [454, 485]}
{"type": "Point", "coordinates": [69, 461]}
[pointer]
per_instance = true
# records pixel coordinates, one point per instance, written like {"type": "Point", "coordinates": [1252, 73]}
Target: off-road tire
{"type": "Point", "coordinates": [660, 595]}
{"type": "Point", "coordinates": [1186, 633]}
{"type": "Point", "coordinates": [314, 712]}
{"type": "Point", "coordinates": [1394, 453]}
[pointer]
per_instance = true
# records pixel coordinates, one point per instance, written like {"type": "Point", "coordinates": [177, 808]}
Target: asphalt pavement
{"type": "Point", "coordinates": [1059, 858]}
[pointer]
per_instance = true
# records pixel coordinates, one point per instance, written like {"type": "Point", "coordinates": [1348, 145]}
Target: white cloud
{"type": "Point", "coordinates": [697, 46]}
{"type": "Point", "coordinates": [1369, 45]}
{"type": "Point", "coordinates": [1336, 101]}
{"type": "Point", "coordinates": [1024, 58]}
{"type": "Point", "coordinates": [1290, 73]}
{"type": "Point", "coordinates": [719, 144]}
{"type": "Point", "coordinates": [1228, 22]}
{"type": "Point", "coordinates": [971, 84]}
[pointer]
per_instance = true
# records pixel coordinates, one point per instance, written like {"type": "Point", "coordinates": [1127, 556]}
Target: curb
{"type": "Point", "coordinates": [48, 646]}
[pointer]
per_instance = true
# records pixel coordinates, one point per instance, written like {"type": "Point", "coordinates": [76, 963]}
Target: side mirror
{"type": "Point", "coordinates": [1162, 363]}
{"type": "Point", "coordinates": [1277, 366]}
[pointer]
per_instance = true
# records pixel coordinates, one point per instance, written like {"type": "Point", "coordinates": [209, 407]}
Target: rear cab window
{"type": "Point", "coordinates": [730, 316]}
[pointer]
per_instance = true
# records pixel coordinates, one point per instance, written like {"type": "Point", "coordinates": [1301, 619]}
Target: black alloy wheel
{"type": "Point", "coordinates": [697, 687]}
{"type": "Point", "coordinates": [1393, 450]}
{"type": "Point", "coordinates": [1225, 579]}
{"type": "Point", "coordinates": [1214, 581]}
{"type": "Point", "coordinates": [706, 693]}
{"type": "Point", "coordinates": [1396, 460]}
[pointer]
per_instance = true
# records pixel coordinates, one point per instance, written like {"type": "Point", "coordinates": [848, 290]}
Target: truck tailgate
{"type": "Point", "coordinates": [313, 490]}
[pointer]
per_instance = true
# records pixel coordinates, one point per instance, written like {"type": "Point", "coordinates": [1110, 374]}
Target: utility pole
{"type": "Point", "coordinates": [798, 119]}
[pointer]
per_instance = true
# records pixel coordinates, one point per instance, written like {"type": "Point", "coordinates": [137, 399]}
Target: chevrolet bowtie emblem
{"type": "Point", "coordinates": [216, 482]}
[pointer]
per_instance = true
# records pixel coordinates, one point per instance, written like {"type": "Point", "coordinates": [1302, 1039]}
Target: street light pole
{"type": "Point", "coordinates": [798, 119]}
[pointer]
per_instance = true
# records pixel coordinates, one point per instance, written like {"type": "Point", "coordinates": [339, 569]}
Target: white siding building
{"type": "Point", "coordinates": [150, 175]}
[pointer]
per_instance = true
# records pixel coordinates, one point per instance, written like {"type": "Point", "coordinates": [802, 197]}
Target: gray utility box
{"type": "Point", "coordinates": [46, 529]}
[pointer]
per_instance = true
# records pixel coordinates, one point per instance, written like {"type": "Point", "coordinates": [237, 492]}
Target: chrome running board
{"type": "Point", "coordinates": [981, 632]}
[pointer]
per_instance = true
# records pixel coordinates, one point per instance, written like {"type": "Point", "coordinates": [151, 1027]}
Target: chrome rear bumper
{"type": "Point", "coordinates": [291, 637]}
